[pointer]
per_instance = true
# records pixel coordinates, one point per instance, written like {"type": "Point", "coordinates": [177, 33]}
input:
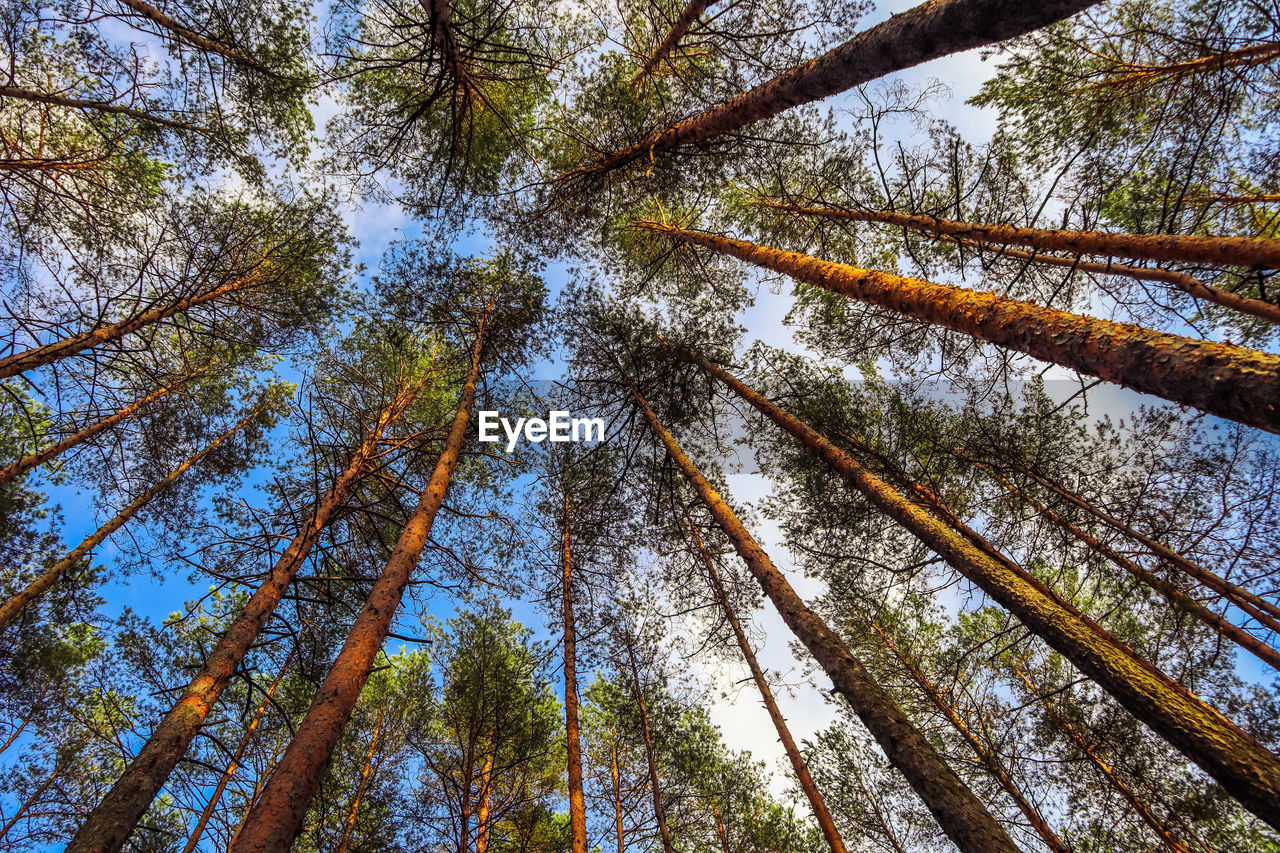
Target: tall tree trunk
{"type": "Point", "coordinates": [276, 749]}
{"type": "Point", "coordinates": [1259, 608]}
{"type": "Point", "coordinates": [366, 774]}
{"type": "Point", "coordinates": [277, 817]}
{"type": "Point", "coordinates": [573, 740]}
{"type": "Point", "coordinates": [13, 608]}
{"type": "Point", "coordinates": [31, 460]}
{"type": "Point", "coordinates": [1168, 838]}
{"type": "Point", "coordinates": [655, 784]}
{"type": "Point", "coordinates": [820, 811]}
{"type": "Point", "coordinates": [109, 825]}
{"type": "Point", "coordinates": [193, 38]}
{"type": "Point", "coordinates": [617, 792]}
{"type": "Point", "coordinates": [720, 830]}
{"type": "Point", "coordinates": [100, 107]}
{"type": "Point", "coordinates": [687, 18]}
{"type": "Point", "coordinates": [1222, 379]}
{"type": "Point", "coordinates": [440, 13]}
{"type": "Point", "coordinates": [962, 816]}
{"type": "Point", "coordinates": [1171, 593]}
{"type": "Point", "coordinates": [30, 359]}
{"type": "Point", "coordinates": [931, 30]}
{"type": "Point", "coordinates": [989, 759]}
{"type": "Point", "coordinates": [193, 840]}
{"type": "Point", "coordinates": [1246, 769]}
{"type": "Point", "coordinates": [482, 809]}
{"type": "Point", "coordinates": [1230, 251]}
{"type": "Point", "coordinates": [1244, 57]}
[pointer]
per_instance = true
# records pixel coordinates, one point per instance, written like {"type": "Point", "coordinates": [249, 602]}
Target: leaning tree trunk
{"type": "Point", "coordinates": [615, 777]}
{"type": "Point", "coordinates": [101, 107]}
{"type": "Point", "coordinates": [820, 811]}
{"type": "Point", "coordinates": [1222, 379]}
{"type": "Point", "coordinates": [1229, 251]}
{"type": "Point", "coordinates": [986, 756]}
{"type": "Point", "coordinates": [1244, 57]}
{"type": "Point", "coordinates": [655, 784]}
{"type": "Point", "coordinates": [366, 774]}
{"type": "Point", "coordinates": [53, 451]}
{"type": "Point", "coordinates": [30, 359]}
{"type": "Point", "coordinates": [277, 817]}
{"type": "Point", "coordinates": [108, 826]}
{"type": "Point", "coordinates": [193, 840]}
{"type": "Point", "coordinates": [962, 816]}
{"type": "Point", "coordinates": [13, 608]}
{"type": "Point", "coordinates": [573, 740]}
{"type": "Point", "coordinates": [1246, 769]}
{"type": "Point", "coordinates": [687, 18]}
{"type": "Point", "coordinates": [193, 38]}
{"type": "Point", "coordinates": [931, 30]}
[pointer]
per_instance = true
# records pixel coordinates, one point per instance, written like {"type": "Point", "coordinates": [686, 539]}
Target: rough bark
{"type": "Point", "coordinates": [1230, 251]}
{"type": "Point", "coordinates": [986, 757]}
{"type": "Point", "coordinates": [820, 811]}
{"type": "Point", "coordinates": [12, 609]}
{"type": "Point", "coordinates": [573, 740]}
{"type": "Point", "coordinates": [1222, 379]}
{"type": "Point", "coordinates": [655, 783]}
{"type": "Point", "coordinates": [687, 18]}
{"type": "Point", "coordinates": [1245, 768]}
{"type": "Point", "coordinates": [53, 451]}
{"type": "Point", "coordinates": [931, 30]}
{"type": "Point", "coordinates": [277, 817]}
{"type": "Point", "coordinates": [193, 840]}
{"type": "Point", "coordinates": [30, 359]}
{"type": "Point", "coordinates": [962, 816]}
{"type": "Point", "coordinates": [193, 38]}
{"type": "Point", "coordinates": [109, 825]}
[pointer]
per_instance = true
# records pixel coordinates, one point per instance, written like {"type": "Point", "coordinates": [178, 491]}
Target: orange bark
{"type": "Point", "coordinates": [687, 18]}
{"type": "Point", "coordinates": [482, 810]}
{"type": "Point", "coordinates": [366, 774]}
{"type": "Point", "coordinates": [277, 817]}
{"type": "Point", "coordinates": [109, 825]}
{"type": "Point", "coordinates": [193, 840]}
{"type": "Point", "coordinates": [1246, 769]}
{"type": "Point", "coordinates": [1244, 57]}
{"type": "Point", "coordinates": [617, 793]}
{"type": "Point", "coordinates": [573, 740]}
{"type": "Point", "coordinates": [1230, 251]}
{"type": "Point", "coordinates": [931, 30]}
{"type": "Point", "coordinates": [1222, 379]}
{"type": "Point", "coordinates": [820, 811]}
{"type": "Point", "coordinates": [13, 608]}
{"type": "Point", "coordinates": [962, 816]}
{"type": "Point", "coordinates": [655, 784]}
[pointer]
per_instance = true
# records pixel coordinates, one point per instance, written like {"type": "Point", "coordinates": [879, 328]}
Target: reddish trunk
{"type": "Point", "coordinates": [961, 815]}
{"type": "Point", "coordinates": [820, 811]}
{"type": "Point", "coordinates": [1230, 381]}
{"type": "Point", "coordinates": [482, 810]}
{"type": "Point", "coordinates": [1230, 251]}
{"type": "Point", "coordinates": [366, 774]}
{"type": "Point", "coordinates": [13, 608]}
{"type": "Point", "coordinates": [1244, 57]}
{"type": "Point", "coordinates": [655, 784]}
{"type": "Point", "coordinates": [573, 740]}
{"type": "Point", "coordinates": [617, 793]}
{"type": "Point", "coordinates": [928, 31]}
{"type": "Point", "coordinates": [277, 818]}
{"type": "Point", "coordinates": [1245, 768]}
{"type": "Point", "coordinates": [688, 17]}
{"type": "Point", "coordinates": [109, 825]}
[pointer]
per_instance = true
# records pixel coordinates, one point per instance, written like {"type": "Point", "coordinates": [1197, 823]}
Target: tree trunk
{"type": "Point", "coordinates": [45, 354]}
{"type": "Point", "coordinates": [989, 759]}
{"type": "Point", "coordinates": [1245, 768]}
{"type": "Point", "coordinates": [720, 830]}
{"type": "Point", "coordinates": [688, 17]}
{"type": "Point", "coordinates": [227, 775]}
{"type": "Point", "coordinates": [1229, 251]}
{"type": "Point", "coordinates": [277, 817]}
{"type": "Point", "coordinates": [931, 30]}
{"type": "Point", "coordinates": [26, 463]}
{"type": "Point", "coordinates": [482, 809]}
{"type": "Point", "coordinates": [366, 773]}
{"type": "Point", "coordinates": [276, 749]}
{"type": "Point", "coordinates": [13, 608]}
{"type": "Point", "coordinates": [820, 811]}
{"type": "Point", "coordinates": [1244, 57]}
{"type": "Point", "coordinates": [655, 784]}
{"type": "Point", "coordinates": [617, 793]}
{"type": "Point", "coordinates": [1171, 593]}
{"type": "Point", "coordinates": [101, 107]}
{"type": "Point", "coordinates": [573, 740]}
{"type": "Point", "coordinates": [109, 825]}
{"type": "Point", "coordinates": [1222, 379]}
{"type": "Point", "coordinates": [440, 13]}
{"type": "Point", "coordinates": [1167, 837]}
{"type": "Point", "coordinates": [962, 816]}
{"type": "Point", "coordinates": [191, 37]}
